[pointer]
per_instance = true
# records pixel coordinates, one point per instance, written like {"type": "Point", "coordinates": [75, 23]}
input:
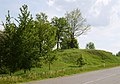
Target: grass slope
{"type": "Point", "coordinates": [91, 57]}
{"type": "Point", "coordinates": [66, 65]}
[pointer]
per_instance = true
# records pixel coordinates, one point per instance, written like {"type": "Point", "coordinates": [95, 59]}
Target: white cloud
{"type": "Point", "coordinates": [100, 12]}
{"type": "Point", "coordinates": [70, 0]}
{"type": "Point", "coordinates": [104, 2]}
{"type": "Point", "coordinates": [59, 8]}
{"type": "Point", "coordinates": [1, 27]}
{"type": "Point", "coordinates": [54, 5]}
{"type": "Point", "coordinates": [50, 2]}
{"type": "Point", "coordinates": [98, 6]}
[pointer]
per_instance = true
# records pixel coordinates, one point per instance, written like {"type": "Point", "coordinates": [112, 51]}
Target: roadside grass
{"type": "Point", "coordinates": [65, 65]}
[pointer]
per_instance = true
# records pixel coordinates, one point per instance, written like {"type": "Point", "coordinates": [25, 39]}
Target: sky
{"type": "Point", "coordinates": [102, 15]}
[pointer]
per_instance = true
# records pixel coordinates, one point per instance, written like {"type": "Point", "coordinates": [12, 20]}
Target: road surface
{"type": "Point", "coordinates": [107, 76]}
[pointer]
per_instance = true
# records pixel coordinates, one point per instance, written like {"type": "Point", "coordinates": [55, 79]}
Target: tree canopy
{"type": "Point", "coordinates": [77, 24]}
{"type": "Point", "coordinates": [90, 45]}
{"type": "Point", "coordinates": [27, 42]}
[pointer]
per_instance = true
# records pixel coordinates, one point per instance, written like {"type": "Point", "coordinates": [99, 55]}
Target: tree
{"type": "Point", "coordinates": [1, 47]}
{"type": "Point", "coordinates": [80, 61]}
{"type": "Point", "coordinates": [50, 58]}
{"type": "Point", "coordinates": [46, 36]}
{"type": "Point", "coordinates": [77, 24]}
{"type": "Point", "coordinates": [50, 43]}
{"type": "Point", "coordinates": [3, 38]}
{"type": "Point", "coordinates": [41, 26]}
{"type": "Point", "coordinates": [17, 47]}
{"type": "Point", "coordinates": [61, 25]}
{"type": "Point", "coordinates": [66, 43]}
{"type": "Point", "coordinates": [118, 54]}
{"type": "Point", "coordinates": [90, 45]}
{"type": "Point", "coordinates": [25, 33]}
{"type": "Point", "coordinates": [10, 43]}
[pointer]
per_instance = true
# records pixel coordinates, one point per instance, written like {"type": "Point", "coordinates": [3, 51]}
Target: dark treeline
{"type": "Point", "coordinates": [27, 42]}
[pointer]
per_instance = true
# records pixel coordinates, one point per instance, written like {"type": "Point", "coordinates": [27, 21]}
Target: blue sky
{"type": "Point", "coordinates": [102, 15]}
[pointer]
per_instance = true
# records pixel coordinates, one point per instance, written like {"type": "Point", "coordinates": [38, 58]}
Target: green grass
{"type": "Point", "coordinates": [66, 65]}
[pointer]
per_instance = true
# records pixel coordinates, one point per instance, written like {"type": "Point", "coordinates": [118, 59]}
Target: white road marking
{"type": "Point", "coordinates": [100, 79]}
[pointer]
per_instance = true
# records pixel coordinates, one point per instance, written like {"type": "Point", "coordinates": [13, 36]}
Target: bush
{"type": "Point", "coordinates": [80, 61]}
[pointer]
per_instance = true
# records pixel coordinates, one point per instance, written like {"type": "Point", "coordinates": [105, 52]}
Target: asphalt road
{"type": "Point", "coordinates": [107, 76]}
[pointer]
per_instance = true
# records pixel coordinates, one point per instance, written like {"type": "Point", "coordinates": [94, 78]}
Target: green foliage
{"type": "Point", "coordinates": [80, 61]}
{"type": "Point", "coordinates": [25, 33]}
{"type": "Point", "coordinates": [62, 29]}
{"type": "Point", "coordinates": [24, 45]}
{"type": "Point", "coordinates": [50, 58]}
{"type": "Point", "coordinates": [10, 58]}
{"type": "Point", "coordinates": [45, 33]}
{"type": "Point", "coordinates": [66, 43]}
{"type": "Point", "coordinates": [118, 54]}
{"type": "Point", "coordinates": [90, 45]}
{"type": "Point", "coordinates": [77, 25]}
{"type": "Point", "coordinates": [2, 52]}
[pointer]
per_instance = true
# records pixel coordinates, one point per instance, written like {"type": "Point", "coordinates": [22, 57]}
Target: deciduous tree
{"type": "Point", "coordinates": [62, 29]}
{"type": "Point", "coordinates": [77, 24]}
{"type": "Point", "coordinates": [90, 45]}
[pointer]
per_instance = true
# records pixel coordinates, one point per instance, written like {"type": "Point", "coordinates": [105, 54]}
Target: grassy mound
{"type": "Point", "coordinates": [91, 57]}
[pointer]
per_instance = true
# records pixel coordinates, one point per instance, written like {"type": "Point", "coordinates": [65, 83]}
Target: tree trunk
{"type": "Point", "coordinates": [10, 73]}
{"type": "Point", "coordinates": [58, 37]}
{"type": "Point", "coordinates": [40, 48]}
{"type": "Point", "coordinates": [24, 71]}
{"type": "Point", "coordinates": [72, 41]}
{"type": "Point", "coordinates": [57, 45]}
{"type": "Point", "coordinates": [49, 65]}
